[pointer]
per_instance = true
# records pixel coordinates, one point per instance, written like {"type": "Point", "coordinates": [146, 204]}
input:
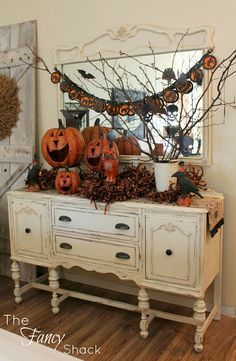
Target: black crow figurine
{"type": "Point", "coordinates": [185, 184]}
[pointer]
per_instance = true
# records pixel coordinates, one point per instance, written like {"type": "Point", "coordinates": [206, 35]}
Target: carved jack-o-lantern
{"type": "Point", "coordinates": [94, 132]}
{"type": "Point", "coordinates": [62, 146]}
{"type": "Point", "coordinates": [96, 149]}
{"type": "Point", "coordinates": [67, 182]}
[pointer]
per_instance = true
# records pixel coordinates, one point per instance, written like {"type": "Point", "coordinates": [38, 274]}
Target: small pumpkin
{"type": "Point", "coordinates": [94, 132]}
{"type": "Point", "coordinates": [67, 181]}
{"type": "Point", "coordinates": [128, 145]}
{"type": "Point", "coordinates": [184, 201]}
{"type": "Point", "coordinates": [96, 149]}
{"type": "Point", "coordinates": [62, 146]}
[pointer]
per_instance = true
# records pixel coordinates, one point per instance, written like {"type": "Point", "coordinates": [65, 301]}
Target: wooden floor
{"type": "Point", "coordinates": [115, 331]}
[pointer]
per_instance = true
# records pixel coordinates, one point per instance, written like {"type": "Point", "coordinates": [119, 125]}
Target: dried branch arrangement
{"type": "Point", "coordinates": [155, 107]}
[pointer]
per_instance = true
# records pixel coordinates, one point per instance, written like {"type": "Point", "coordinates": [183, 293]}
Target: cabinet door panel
{"type": "Point", "coordinates": [171, 250]}
{"type": "Point", "coordinates": [30, 229]}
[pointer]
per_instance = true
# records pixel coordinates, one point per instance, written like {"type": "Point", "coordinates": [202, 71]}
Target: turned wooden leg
{"type": "Point", "coordinates": [199, 318]}
{"type": "Point", "coordinates": [144, 307]}
{"type": "Point", "coordinates": [54, 285]}
{"type": "Point", "coordinates": [16, 276]}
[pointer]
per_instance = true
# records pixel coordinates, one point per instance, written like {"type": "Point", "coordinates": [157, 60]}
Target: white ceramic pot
{"type": "Point", "coordinates": [163, 173]}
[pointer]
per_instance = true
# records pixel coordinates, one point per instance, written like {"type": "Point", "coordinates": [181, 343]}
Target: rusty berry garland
{"type": "Point", "coordinates": [134, 182]}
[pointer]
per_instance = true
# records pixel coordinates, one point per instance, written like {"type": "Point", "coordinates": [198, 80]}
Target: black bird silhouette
{"type": "Point", "coordinates": [186, 185]}
{"type": "Point", "coordinates": [86, 75]}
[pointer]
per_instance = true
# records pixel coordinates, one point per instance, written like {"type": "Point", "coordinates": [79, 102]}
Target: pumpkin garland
{"type": "Point", "coordinates": [115, 108]}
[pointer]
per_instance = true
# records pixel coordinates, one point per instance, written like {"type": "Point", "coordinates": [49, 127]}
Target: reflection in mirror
{"type": "Point", "coordinates": [132, 79]}
{"type": "Point", "coordinates": [136, 79]}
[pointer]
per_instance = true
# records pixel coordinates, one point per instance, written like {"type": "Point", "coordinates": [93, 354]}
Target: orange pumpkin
{"type": "Point", "coordinates": [184, 201]}
{"type": "Point", "coordinates": [96, 149]}
{"type": "Point", "coordinates": [128, 145]}
{"type": "Point", "coordinates": [67, 182]}
{"type": "Point", "coordinates": [94, 132]}
{"type": "Point", "coordinates": [62, 146]}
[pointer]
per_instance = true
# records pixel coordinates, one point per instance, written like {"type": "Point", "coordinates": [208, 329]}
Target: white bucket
{"type": "Point", "coordinates": [163, 173]}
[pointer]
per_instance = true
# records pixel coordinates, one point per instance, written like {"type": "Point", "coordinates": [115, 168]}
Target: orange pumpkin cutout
{"type": "Point", "coordinates": [62, 146]}
{"type": "Point", "coordinates": [94, 132]}
{"type": "Point", "coordinates": [96, 149]}
{"type": "Point", "coordinates": [128, 145]}
{"type": "Point", "coordinates": [67, 182]}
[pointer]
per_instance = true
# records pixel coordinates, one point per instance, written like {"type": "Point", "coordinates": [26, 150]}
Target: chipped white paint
{"type": "Point", "coordinates": [46, 230]}
{"type": "Point", "coordinates": [17, 151]}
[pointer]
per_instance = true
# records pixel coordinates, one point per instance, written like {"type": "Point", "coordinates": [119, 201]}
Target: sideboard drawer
{"type": "Point", "coordinates": [86, 250]}
{"type": "Point", "coordinates": [95, 221]}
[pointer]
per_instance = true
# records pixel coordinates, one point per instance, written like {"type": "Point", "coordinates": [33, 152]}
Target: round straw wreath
{"type": "Point", "coordinates": [9, 105]}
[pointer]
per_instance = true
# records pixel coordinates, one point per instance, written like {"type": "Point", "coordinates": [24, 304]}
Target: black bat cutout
{"type": "Point", "coordinates": [86, 75]}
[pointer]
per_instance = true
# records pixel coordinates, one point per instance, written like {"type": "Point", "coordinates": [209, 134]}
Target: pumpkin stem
{"type": "Point", "coordinates": [97, 122]}
{"type": "Point", "coordinates": [60, 124]}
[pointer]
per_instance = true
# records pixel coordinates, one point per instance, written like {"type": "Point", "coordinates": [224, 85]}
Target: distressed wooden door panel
{"type": "Point", "coordinates": [17, 151]}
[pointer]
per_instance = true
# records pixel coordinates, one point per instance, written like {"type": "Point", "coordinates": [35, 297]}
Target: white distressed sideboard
{"type": "Point", "coordinates": [159, 247]}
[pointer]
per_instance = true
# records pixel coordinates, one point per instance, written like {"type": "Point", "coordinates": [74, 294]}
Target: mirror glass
{"type": "Point", "coordinates": [133, 75]}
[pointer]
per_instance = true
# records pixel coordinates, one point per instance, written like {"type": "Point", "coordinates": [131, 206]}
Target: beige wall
{"type": "Point", "coordinates": [61, 22]}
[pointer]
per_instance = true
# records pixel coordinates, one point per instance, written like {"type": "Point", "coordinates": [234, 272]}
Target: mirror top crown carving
{"type": "Point", "coordinates": [135, 40]}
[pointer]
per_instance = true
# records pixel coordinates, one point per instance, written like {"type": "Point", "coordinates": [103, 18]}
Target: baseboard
{"type": "Point", "coordinates": [228, 311]}
{"type": "Point", "coordinates": [112, 283]}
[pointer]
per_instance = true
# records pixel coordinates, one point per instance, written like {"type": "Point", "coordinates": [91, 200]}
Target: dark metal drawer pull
{"type": "Point", "coordinates": [122, 226]}
{"type": "Point", "coordinates": [64, 219]}
{"type": "Point", "coordinates": [169, 252]}
{"type": "Point", "coordinates": [27, 230]}
{"type": "Point", "coordinates": [122, 255]}
{"type": "Point", "coordinates": [66, 245]}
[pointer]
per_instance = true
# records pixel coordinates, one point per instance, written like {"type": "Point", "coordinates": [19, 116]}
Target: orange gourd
{"type": "Point", "coordinates": [184, 201]}
{"type": "Point", "coordinates": [67, 182]}
{"type": "Point", "coordinates": [96, 149]}
{"type": "Point", "coordinates": [62, 146]}
{"type": "Point", "coordinates": [128, 145]}
{"type": "Point", "coordinates": [94, 132]}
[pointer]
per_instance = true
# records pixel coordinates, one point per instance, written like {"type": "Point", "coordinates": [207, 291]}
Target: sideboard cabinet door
{"type": "Point", "coordinates": [29, 229]}
{"type": "Point", "coordinates": [171, 250]}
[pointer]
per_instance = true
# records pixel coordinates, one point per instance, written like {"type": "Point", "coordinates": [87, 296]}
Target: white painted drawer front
{"type": "Point", "coordinates": [86, 250]}
{"type": "Point", "coordinates": [170, 250]}
{"type": "Point", "coordinates": [30, 228]}
{"type": "Point", "coordinates": [95, 221]}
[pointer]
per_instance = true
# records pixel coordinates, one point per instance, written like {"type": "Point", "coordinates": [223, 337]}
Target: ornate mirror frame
{"type": "Point", "coordinates": [135, 40]}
